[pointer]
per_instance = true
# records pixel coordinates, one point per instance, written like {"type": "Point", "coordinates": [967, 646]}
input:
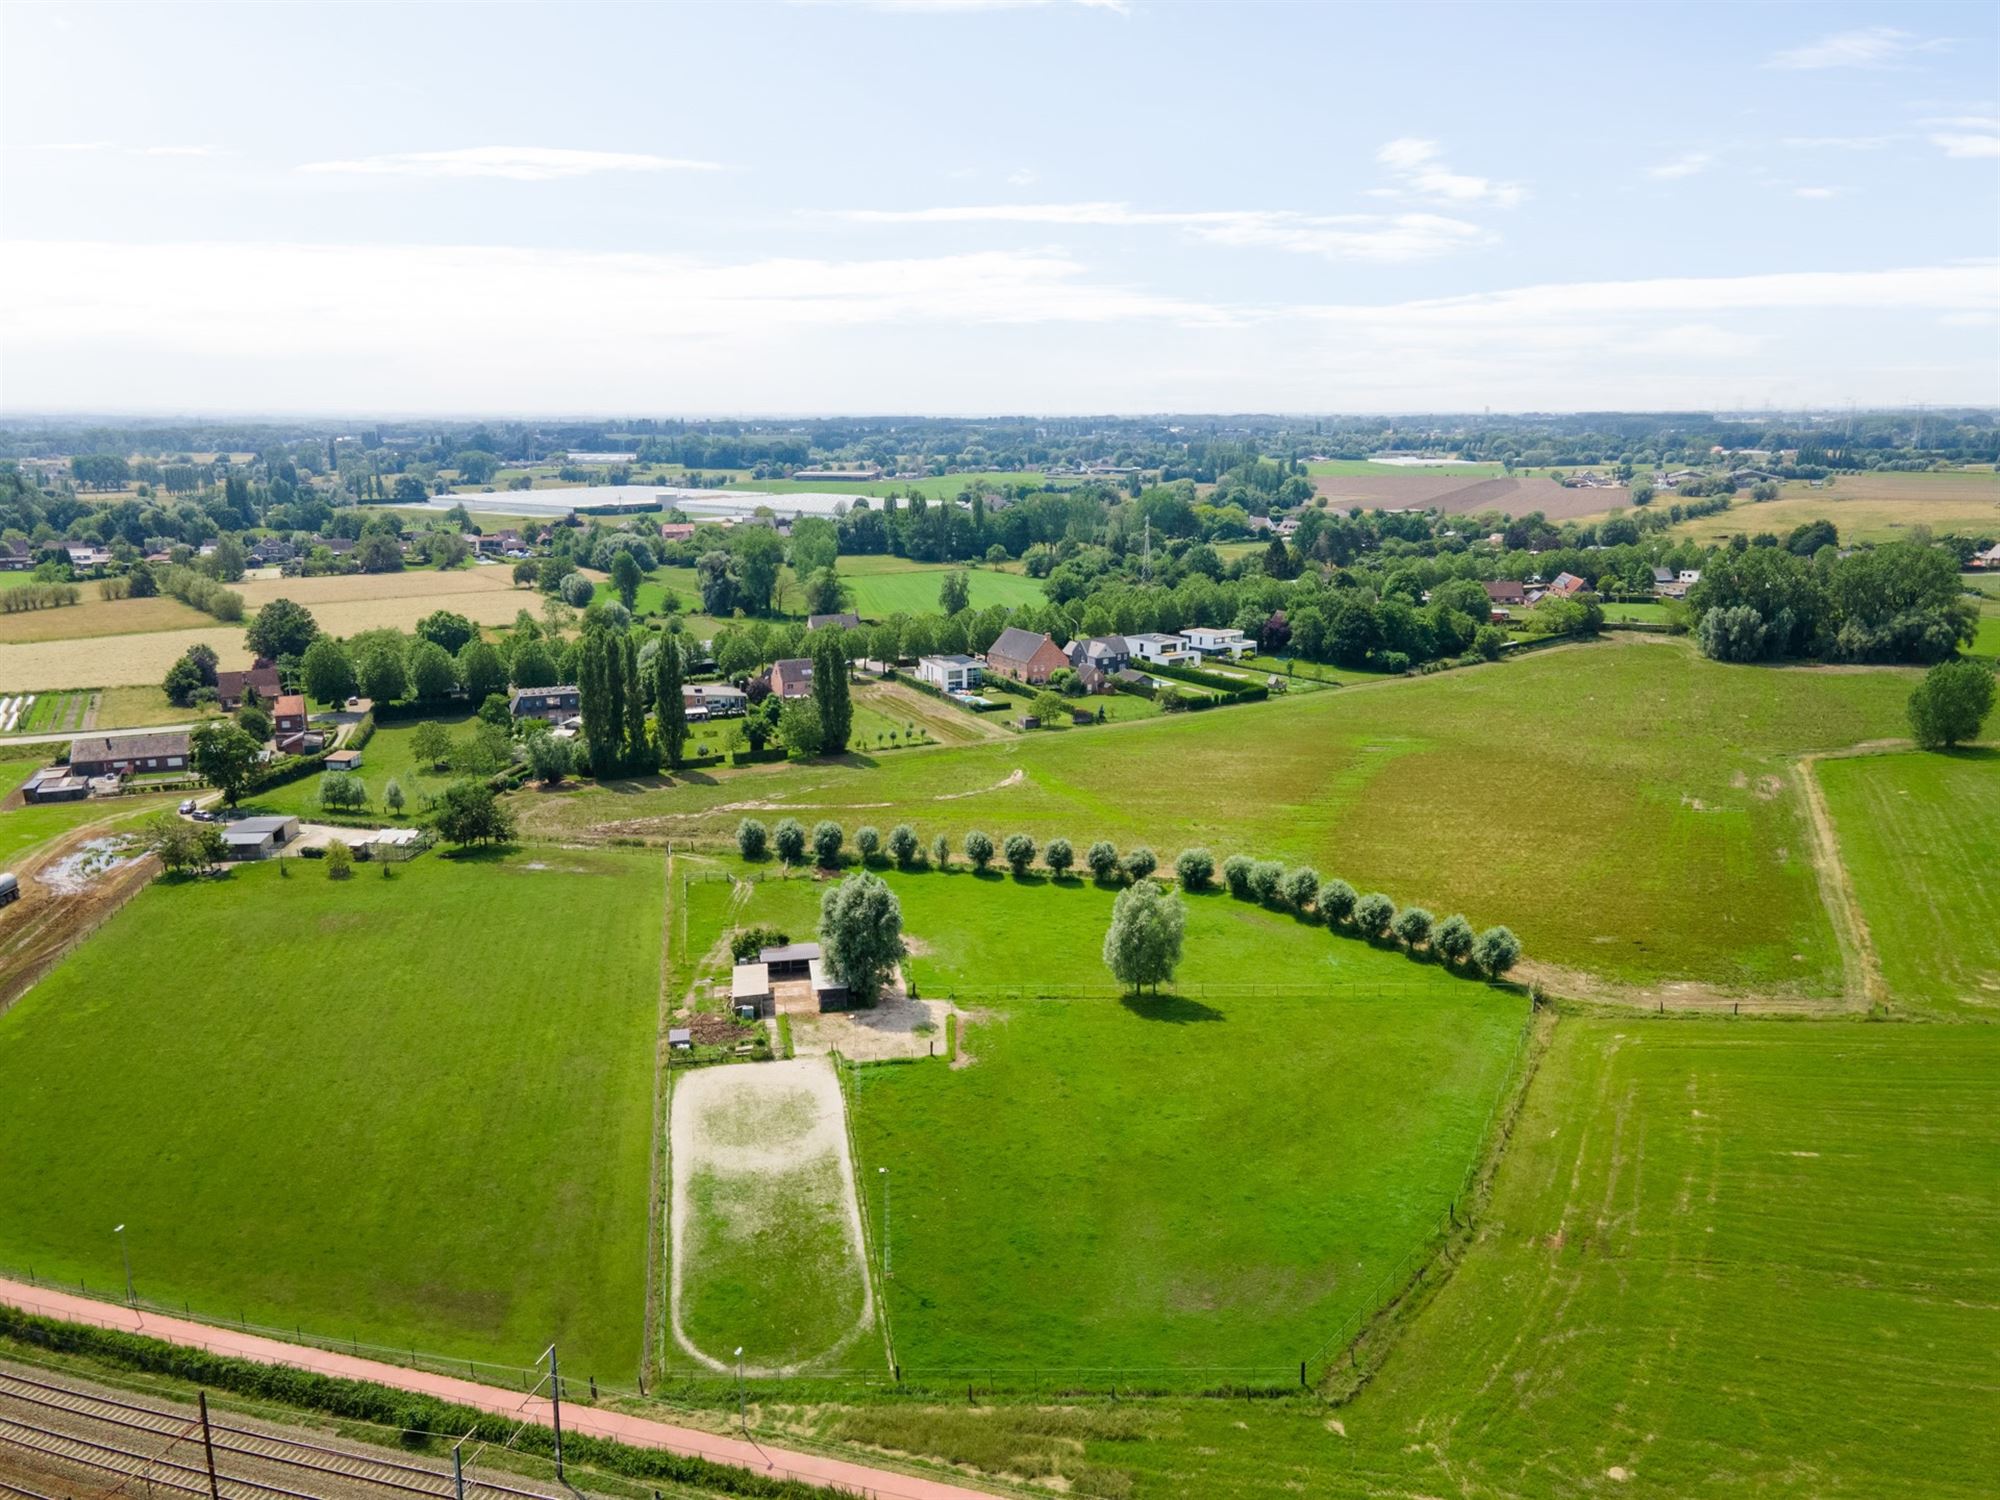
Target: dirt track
{"type": "Point", "coordinates": [45, 923]}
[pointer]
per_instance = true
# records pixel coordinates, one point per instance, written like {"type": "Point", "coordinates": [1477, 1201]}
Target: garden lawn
{"type": "Point", "coordinates": [1722, 1258]}
{"type": "Point", "coordinates": [1209, 1179]}
{"type": "Point", "coordinates": [1920, 836]}
{"type": "Point", "coordinates": [1628, 808]}
{"type": "Point", "coordinates": [884, 586]}
{"type": "Point", "coordinates": [387, 756]}
{"type": "Point", "coordinates": [401, 1110]}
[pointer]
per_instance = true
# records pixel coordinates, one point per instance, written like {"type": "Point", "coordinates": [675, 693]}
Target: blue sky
{"type": "Point", "coordinates": [985, 207]}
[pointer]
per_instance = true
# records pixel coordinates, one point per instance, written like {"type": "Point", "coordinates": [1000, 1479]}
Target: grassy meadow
{"type": "Point", "coordinates": [1866, 507]}
{"type": "Point", "coordinates": [1629, 808]}
{"type": "Point", "coordinates": [879, 585]}
{"type": "Point", "coordinates": [1213, 1178]}
{"type": "Point", "coordinates": [386, 756]}
{"type": "Point", "coordinates": [1920, 837]}
{"type": "Point", "coordinates": [384, 1108]}
{"type": "Point", "coordinates": [1721, 1258]}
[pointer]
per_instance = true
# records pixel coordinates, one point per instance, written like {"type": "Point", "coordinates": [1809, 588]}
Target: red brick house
{"type": "Point", "coordinates": [263, 676]}
{"type": "Point", "coordinates": [792, 677]}
{"type": "Point", "coordinates": [1568, 586]}
{"type": "Point", "coordinates": [288, 723]}
{"type": "Point", "coordinates": [1024, 656]}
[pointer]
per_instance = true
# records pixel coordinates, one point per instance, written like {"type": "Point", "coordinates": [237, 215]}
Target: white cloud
{"type": "Point", "coordinates": [1862, 47]}
{"type": "Point", "coordinates": [1687, 164]}
{"type": "Point", "coordinates": [1966, 135]}
{"type": "Point", "coordinates": [1817, 192]}
{"type": "Point", "coordinates": [1370, 237]}
{"type": "Point", "coordinates": [1423, 174]}
{"type": "Point", "coordinates": [182, 151]}
{"type": "Point", "coordinates": [517, 163]}
{"type": "Point", "coordinates": [78, 146]}
{"type": "Point", "coordinates": [1022, 177]}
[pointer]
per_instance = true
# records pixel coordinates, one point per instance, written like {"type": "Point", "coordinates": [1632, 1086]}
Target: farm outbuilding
{"type": "Point", "coordinates": [750, 991]}
{"type": "Point", "coordinates": [344, 760]}
{"type": "Point", "coordinates": [792, 961]}
{"type": "Point", "coordinates": [258, 838]}
{"type": "Point", "coordinates": [828, 991]}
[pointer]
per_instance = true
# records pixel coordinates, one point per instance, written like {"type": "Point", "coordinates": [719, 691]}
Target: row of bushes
{"type": "Point", "coordinates": [197, 590]}
{"type": "Point", "coordinates": [1265, 881]}
{"type": "Point", "coordinates": [419, 1417]}
{"type": "Point", "coordinates": [1235, 689]}
{"type": "Point", "coordinates": [27, 596]}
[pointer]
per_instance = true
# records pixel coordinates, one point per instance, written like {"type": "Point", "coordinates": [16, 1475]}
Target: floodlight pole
{"type": "Point", "coordinates": [742, 1420]}
{"type": "Point", "coordinates": [555, 1407]}
{"type": "Point", "coordinates": [126, 1254]}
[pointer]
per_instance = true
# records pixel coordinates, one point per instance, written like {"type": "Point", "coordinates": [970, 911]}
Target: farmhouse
{"type": "Point", "coordinates": [86, 554]}
{"type": "Point", "coordinates": [846, 619]}
{"type": "Point", "coordinates": [677, 531]}
{"type": "Point", "coordinates": [1166, 650]}
{"type": "Point", "coordinates": [792, 677]}
{"type": "Point", "coordinates": [129, 754]}
{"type": "Point", "coordinates": [262, 677]}
{"type": "Point", "coordinates": [1107, 653]}
{"type": "Point", "coordinates": [1990, 558]}
{"type": "Point", "coordinates": [949, 674]}
{"type": "Point", "coordinates": [1024, 655]}
{"type": "Point", "coordinates": [554, 704]}
{"type": "Point", "coordinates": [1214, 641]}
{"type": "Point", "coordinates": [258, 838]}
{"type": "Point", "coordinates": [16, 558]}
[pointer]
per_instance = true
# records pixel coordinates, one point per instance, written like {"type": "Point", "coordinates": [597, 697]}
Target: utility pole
{"type": "Point", "coordinates": [457, 1471]}
{"type": "Point", "coordinates": [555, 1407]}
{"type": "Point", "coordinates": [742, 1420]}
{"type": "Point", "coordinates": [208, 1448]}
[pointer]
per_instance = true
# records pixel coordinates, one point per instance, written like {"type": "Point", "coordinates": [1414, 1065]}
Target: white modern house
{"type": "Point", "coordinates": [1209, 640]}
{"type": "Point", "coordinates": [1164, 650]}
{"type": "Point", "coordinates": [950, 674]}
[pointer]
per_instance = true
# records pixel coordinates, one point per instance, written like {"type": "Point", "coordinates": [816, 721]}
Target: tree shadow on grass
{"type": "Point", "coordinates": [1177, 1009]}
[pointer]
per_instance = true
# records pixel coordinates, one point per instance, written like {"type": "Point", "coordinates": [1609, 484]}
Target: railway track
{"type": "Point", "coordinates": [140, 1426]}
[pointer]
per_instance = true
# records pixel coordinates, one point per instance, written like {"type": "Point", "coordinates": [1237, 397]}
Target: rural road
{"type": "Point", "coordinates": [637, 1432]}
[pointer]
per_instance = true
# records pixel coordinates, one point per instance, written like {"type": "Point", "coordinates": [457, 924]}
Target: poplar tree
{"type": "Point", "coordinates": [830, 695]}
{"type": "Point", "coordinates": [639, 754]}
{"type": "Point", "coordinates": [669, 708]}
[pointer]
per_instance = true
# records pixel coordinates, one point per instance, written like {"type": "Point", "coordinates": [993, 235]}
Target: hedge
{"type": "Point", "coordinates": [364, 1401]}
{"type": "Point", "coordinates": [1233, 688]}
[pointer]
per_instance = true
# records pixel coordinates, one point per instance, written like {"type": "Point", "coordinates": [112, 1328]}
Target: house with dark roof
{"type": "Point", "coordinates": [1506, 591]}
{"type": "Point", "coordinates": [792, 677]}
{"type": "Point", "coordinates": [1025, 656]}
{"type": "Point", "coordinates": [846, 619]}
{"type": "Point", "coordinates": [1106, 653]}
{"type": "Point", "coordinates": [262, 675]}
{"type": "Point", "coordinates": [129, 754]}
{"type": "Point", "coordinates": [555, 704]}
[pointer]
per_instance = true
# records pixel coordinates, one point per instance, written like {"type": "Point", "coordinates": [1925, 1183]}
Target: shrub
{"type": "Point", "coordinates": [752, 839]}
{"type": "Point", "coordinates": [1497, 950]}
{"type": "Point", "coordinates": [1453, 939]}
{"type": "Point", "coordinates": [903, 845]}
{"type": "Point", "coordinates": [1196, 869]}
{"type": "Point", "coordinates": [1102, 858]}
{"type": "Point", "coordinates": [1020, 852]}
{"type": "Point", "coordinates": [1413, 926]}
{"type": "Point", "coordinates": [1059, 856]}
{"type": "Point", "coordinates": [1267, 877]}
{"type": "Point", "coordinates": [751, 941]}
{"type": "Point", "coordinates": [941, 852]}
{"type": "Point", "coordinates": [1236, 875]}
{"type": "Point", "coordinates": [1336, 900]}
{"type": "Point", "coordinates": [869, 842]}
{"type": "Point", "coordinates": [827, 839]}
{"type": "Point", "coordinates": [1140, 863]}
{"type": "Point", "coordinates": [339, 861]}
{"type": "Point", "coordinates": [1300, 887]}
{"type": "Point", "coordinates": [1373, 913]}
{"type": "Point", "coordinates": [978, 849]}
{"type": "Point", "coordinates": [791, 841]}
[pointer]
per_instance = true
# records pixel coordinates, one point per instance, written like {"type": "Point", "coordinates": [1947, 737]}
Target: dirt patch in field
{"type": "Point", "coordinates": [1457, 495]}
{"type": "Point", "coordinates": [1014, 777]}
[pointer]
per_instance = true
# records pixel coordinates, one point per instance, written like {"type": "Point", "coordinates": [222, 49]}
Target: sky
{"type": "Point", "coordinates": [977, 207]}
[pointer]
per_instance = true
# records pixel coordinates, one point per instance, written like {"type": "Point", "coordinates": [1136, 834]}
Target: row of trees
{"type": "Point", "coordinates": [1898, 602]}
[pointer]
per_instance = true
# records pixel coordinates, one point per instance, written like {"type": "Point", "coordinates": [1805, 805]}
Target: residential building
{"type": "Point", "coordinates": [1990, 558]}
{"type": "Point", "coordinates": [555, 704]}
{"type": "Point", "coordinates": [792, 677]}
{"type": "Point", "coordinates": [713, 700]}
{"type": "Point", "coordinates": [288, 723]}
{"type": "Point", "coordinates": [1024, 656]}
{"type": "Point", "coordinates": [1210, 640]}
{"type": "Point", "coordinates": [1506, 591]}
{"type": "Point", "coordinates": [230, 687]}
{"type": "Point", "coordinates": [16, 557]}
{"type": "Point", "coordinates": [86, 554]}
{"type": "Point", "coordinates": [1568, 586]}
{"type": "Point", "coordinates": [846, 619]}
{"type": "Point", "coordinates": [1107, 653]}
{"type": "Point", "coordinates": [677, 531]}
{"type": "Point", "coordinates": [950, 674]}
{"type": "Point", "coordinates": [1162, 650]}
{"type": "Point", "coordinates": [129, 754]}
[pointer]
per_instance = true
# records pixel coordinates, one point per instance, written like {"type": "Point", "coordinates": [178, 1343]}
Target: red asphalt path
{"type": "Point", "coordinates": [637, 1432]}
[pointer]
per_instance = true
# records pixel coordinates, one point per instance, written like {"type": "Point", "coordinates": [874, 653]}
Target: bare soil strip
{"type": "Point", "coordinates": [1859, 961]}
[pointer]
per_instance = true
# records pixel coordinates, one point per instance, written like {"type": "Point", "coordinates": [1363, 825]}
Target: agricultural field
{"type": "Point", "coordinates": [341, 1117]}
{"type": "Point", "coordinates": [110, 661]}
{"type": "Point", "coordinates": [1542, 792]}
{"type": "Point", "coordinates": [1919, 836]}
{"type": "Point", "coordinates": [1721, 1258]}
{"type": "Point", "coordinates": [1247, 1223]}
{"type": "Point", "coordinates": [880, 585]}
{"type": "Point", "coordinates": [346, 603]}
{"type": "Point", "coordinates": [1456, 494]}
{"type": "Point", "coordinates": [99, 617]}
{"type": "Point", "coordinates": [1330, 467]}
{"type": "Point", "coordinates": [1866, 508]}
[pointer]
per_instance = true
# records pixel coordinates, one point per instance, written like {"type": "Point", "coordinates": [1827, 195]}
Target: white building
{"type": "Point", "coordinates": [1165, 650]}
{"type": "Point", "coordinates": [950, 674]}
{"type": "Point", "coordinates": [1208, 640]}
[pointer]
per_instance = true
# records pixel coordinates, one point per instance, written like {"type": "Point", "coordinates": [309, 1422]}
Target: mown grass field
{"type": "Point", "coordinates": [1629, 808]}
{"type": "Point", "coordinates": [384, 1108]}
{"type": "Point", "coordinates": [1201, 1180]}
{"type": "Point", "coordinates": [1722, 1258]}
{"type": "Point", "coordinates": [386, 756]}
{"type": "Point", "coordinates": [878, 585]}
{"type": "Point", "coordinates": [1920, 837]}
{"type": "Point", "coordinates": [1866, 508]}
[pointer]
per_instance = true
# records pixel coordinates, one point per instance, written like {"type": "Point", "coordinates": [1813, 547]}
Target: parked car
{"type": "Point", "coordinates": [187, 806]}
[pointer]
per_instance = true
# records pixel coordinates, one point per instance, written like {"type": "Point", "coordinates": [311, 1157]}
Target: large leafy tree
{"type": "Point", "coordinates": [327, 673]}
{"type": "Point", "coordinates": [281, 628]}
{"type": "Point", "coordinates": [431, 674]}
{"type": "Point", "coordinates": [479, 668]}
{"type": "Point", "coordinates": [1951, 704]}
{"type": "Point", "coordinates": [224, 755]}
{"type": "Point", "coordinates": [759, 555]}
{"type": "Point", "coordinates": [1143, 946]}
{"type": "Point", "coordinates": [470, 813]}
{"type": "Point", "coordinates": [861, 933]}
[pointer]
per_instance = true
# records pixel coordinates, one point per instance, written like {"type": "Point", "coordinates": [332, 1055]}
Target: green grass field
{"type": "Point", "coordinates": [1204, 1180]}
{"type": "Point", "coordinates": [386, 756]}
{"type": "Point", "coordinates": [1629, 808]}
{"type": "Point", "coordinates": [1920, 836]}
{"type": "Point", "coordinates": [879, 586]}
{"type": "Point", "coordinates": [1721, 1259]}
{"type": "Point", "coordinates": [385, 1108]}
